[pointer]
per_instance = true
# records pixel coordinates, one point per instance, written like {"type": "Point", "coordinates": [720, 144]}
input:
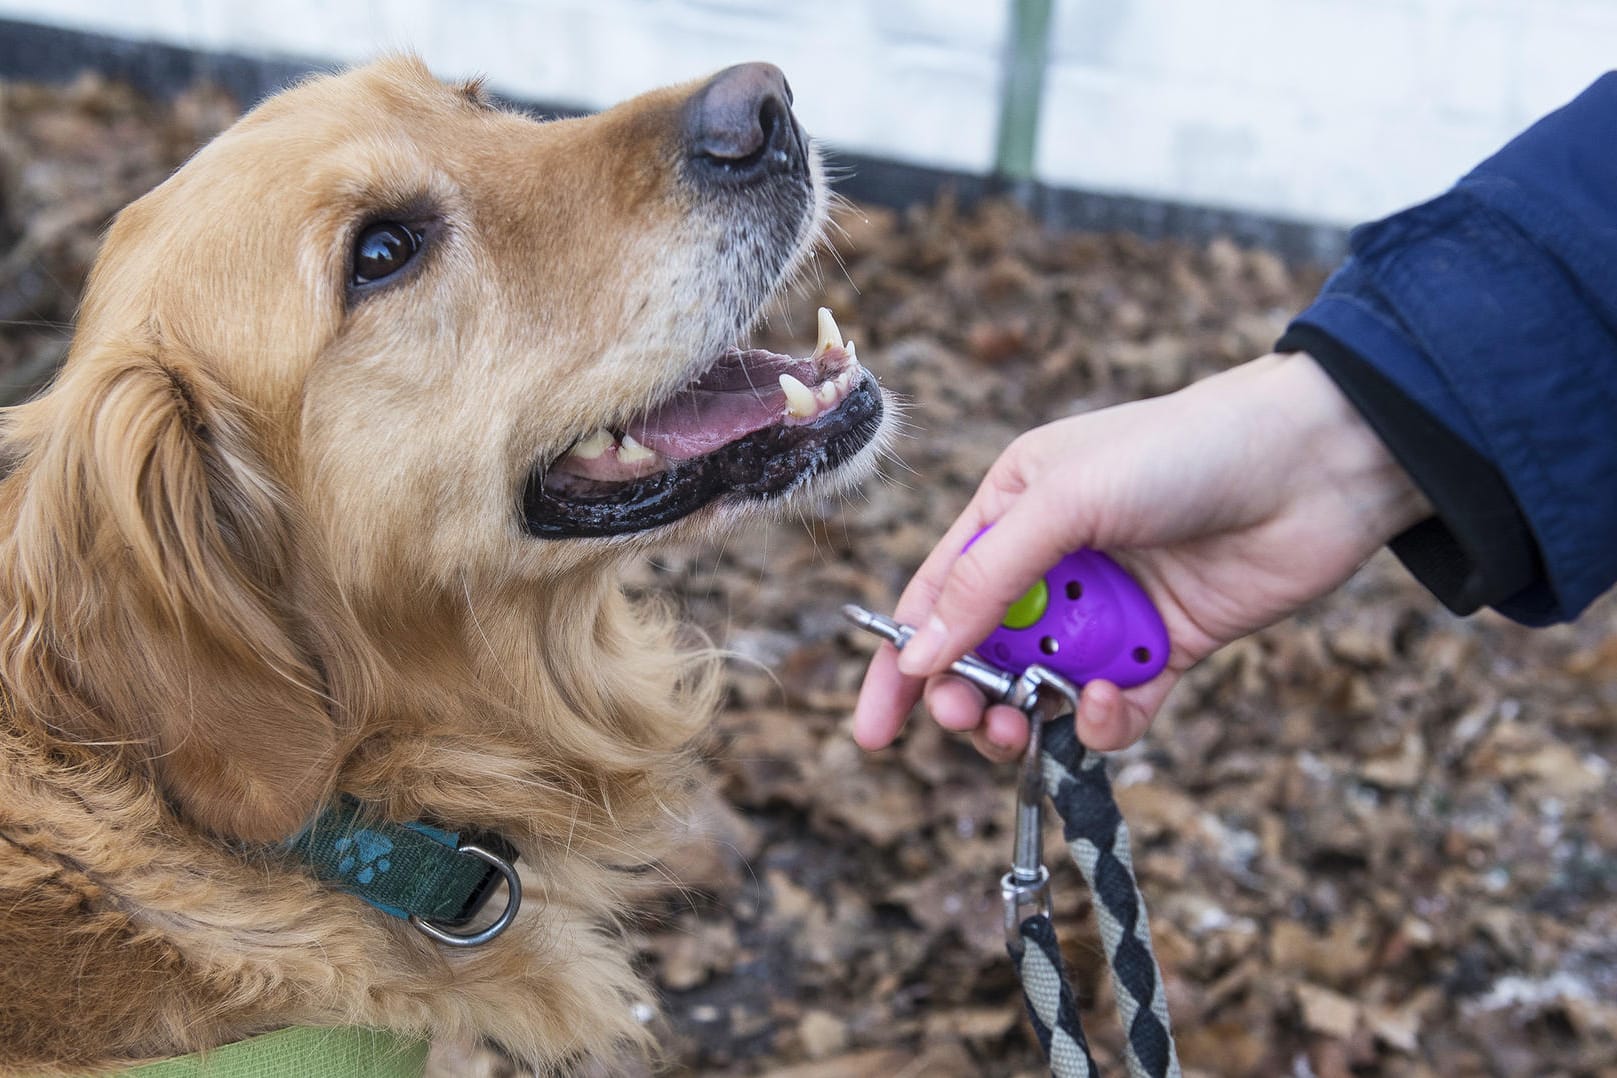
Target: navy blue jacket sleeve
{"type": "Point", "coordinates": [1489, 315]}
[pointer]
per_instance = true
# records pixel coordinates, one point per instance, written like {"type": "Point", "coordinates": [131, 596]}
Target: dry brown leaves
{"type": "Point", "coordinates": [1375, 839]}
{"type": "Point", "coordinates": [70, 158]}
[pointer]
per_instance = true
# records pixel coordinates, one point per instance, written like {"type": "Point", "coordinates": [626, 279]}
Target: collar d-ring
{"type": "Point", "coordinates": [513, 902]}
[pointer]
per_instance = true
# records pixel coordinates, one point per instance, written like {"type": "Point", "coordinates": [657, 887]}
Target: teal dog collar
{"type": "Point", "coordinates": [437, 880]}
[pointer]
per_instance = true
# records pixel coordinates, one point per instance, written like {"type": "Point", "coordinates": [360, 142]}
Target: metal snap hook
{"type": "Point", "coordinates": [1018, 893]}
{"type": "Point", "coordinates": [1042, 696]}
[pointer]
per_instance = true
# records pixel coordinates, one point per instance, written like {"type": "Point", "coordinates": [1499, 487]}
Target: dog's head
{"type": "Point", "coordinates": [381, 343]}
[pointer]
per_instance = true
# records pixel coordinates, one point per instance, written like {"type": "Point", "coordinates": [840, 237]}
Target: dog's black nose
{"type": "Point", "coordinates": [740, 124]}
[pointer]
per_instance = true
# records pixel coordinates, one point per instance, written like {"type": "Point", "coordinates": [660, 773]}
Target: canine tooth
{"type": "Point", "coordinates": [632, 452]}
{"type": "Point", "coordinates": [799, 397]}
{"type": "Point", "coordinates": [592, 447]}
{"type": "Point", "coordinates": [830, 335]}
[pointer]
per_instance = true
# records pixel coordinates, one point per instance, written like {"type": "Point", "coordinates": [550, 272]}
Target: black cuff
{"type": "Point", "coordinates": [1477, 551]}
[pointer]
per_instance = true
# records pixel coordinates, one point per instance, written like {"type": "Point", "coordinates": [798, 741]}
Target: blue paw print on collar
{"type": "Point", "coordinates": [367, 850]}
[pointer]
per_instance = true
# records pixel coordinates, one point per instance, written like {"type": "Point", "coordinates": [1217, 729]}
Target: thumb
{"type": "Point", "coordinates": [981, 585]}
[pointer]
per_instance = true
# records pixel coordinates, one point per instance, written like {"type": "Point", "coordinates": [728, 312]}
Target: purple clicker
{"type": "Point", "coordinates": [1086, 618]}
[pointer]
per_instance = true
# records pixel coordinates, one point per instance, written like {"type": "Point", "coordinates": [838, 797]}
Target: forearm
{"type": "Point", "coordinates": [1339, 457]}
{"type": "Point", "coordinates": [1475, 549]}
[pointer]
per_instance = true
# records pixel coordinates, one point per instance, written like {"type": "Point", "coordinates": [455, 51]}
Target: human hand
{"type": "Point", "coordinates": [1234, 502]}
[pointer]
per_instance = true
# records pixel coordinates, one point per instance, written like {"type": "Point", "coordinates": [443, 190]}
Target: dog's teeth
{"type": "Point", "coordinates": [593, 446]}
{"type": "Point", "coordinates": [853, 356]}
{"type": "Point", "coordinates": [632, 452]}
{"type": "Point", "coordinates": [845, 380]}
{"type": "Point", "coordinates": [830, 335]}
{"type": "Point", "coordinates": [827, 394]}
{"type": "Point", "coordinates": [799, 397]}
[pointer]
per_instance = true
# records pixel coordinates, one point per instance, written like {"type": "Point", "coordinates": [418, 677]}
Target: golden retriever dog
{"type": "Point", "coordinates": [365, 407]}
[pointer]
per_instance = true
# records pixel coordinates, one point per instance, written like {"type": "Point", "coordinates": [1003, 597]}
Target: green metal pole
{"type": "Point", "coordinates": [1023, 89]}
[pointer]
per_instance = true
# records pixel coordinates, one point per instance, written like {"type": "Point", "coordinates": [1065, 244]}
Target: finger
{"type": "Point", "coordinates": [887, 694]}
{"type": "Point", "coordinates": [954, 703]}
{"type": "Point", "coordinates": [915, 602]}
{"type": "Point", "coordinates": [886, 691]}
{"type": "Point", "coordinates": [1000, 488]}
{"type": "Point", "coordinates": [1108, 719]}
{"type": "Point", "coordinates": [1002, 735]}
{"type": "Point", "coordinates": [980, 585]}
{"type": "Point", "coordinates": [885, 700]}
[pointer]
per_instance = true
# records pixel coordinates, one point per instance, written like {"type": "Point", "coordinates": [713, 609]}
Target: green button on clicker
{"type": "Point", "coordinates": [1029, 608]}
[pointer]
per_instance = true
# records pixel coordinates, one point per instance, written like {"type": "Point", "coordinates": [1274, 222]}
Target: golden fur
{"type": "Point", "coordinates": [259, 548]}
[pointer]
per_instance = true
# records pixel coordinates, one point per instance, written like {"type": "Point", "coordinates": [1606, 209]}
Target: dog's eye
{"type": "Point", "coordinates": [382, 250]}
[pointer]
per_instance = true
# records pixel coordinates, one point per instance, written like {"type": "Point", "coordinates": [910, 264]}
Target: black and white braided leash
{"type": "Point", "coordinates": [1058, 766]}
{"type": "Point", "coordinates": [1075, 782]}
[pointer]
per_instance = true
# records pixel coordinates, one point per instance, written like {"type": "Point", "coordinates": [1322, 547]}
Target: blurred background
{"type": "Point", "coordinates": [1322, 111]}
{"type": "Point", "coordinates": [1376, 840]}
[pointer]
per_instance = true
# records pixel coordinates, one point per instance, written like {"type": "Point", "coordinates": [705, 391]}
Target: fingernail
{"type": "Point", "coordinates": [922, 651]}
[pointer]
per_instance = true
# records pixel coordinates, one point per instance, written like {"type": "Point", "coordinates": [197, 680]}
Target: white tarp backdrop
{"type": "Point", "coordinates": [1331, 111]}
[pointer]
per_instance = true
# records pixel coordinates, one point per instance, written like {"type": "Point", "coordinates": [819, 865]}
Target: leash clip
{"type": "Point", "coordinates": [1042, 695]}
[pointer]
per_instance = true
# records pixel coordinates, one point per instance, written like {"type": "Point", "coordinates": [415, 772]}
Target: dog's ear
{"type": "Point", "coordinates": [150, 564]}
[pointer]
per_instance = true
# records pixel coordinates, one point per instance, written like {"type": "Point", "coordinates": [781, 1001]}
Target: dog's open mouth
{"type": "Point", "coordinates": [755, 425]}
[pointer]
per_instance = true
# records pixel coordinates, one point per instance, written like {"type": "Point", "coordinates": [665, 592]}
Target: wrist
{"type": "Point", "coordinates": [1340, 455]}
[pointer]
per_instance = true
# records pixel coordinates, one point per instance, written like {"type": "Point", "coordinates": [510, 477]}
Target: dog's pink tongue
{"type": "Point", "coordinates": [701, 421]}
{"type": "Point", "coordinates": [739, 395]}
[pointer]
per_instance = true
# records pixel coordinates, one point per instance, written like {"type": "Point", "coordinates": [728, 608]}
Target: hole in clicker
{"type": "Point", "coordinates": [1142, 655]}
{"type": "Point", "coordinates": [1049, 645]}
{"type": "Point", "coordinates": [1075, 590]}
